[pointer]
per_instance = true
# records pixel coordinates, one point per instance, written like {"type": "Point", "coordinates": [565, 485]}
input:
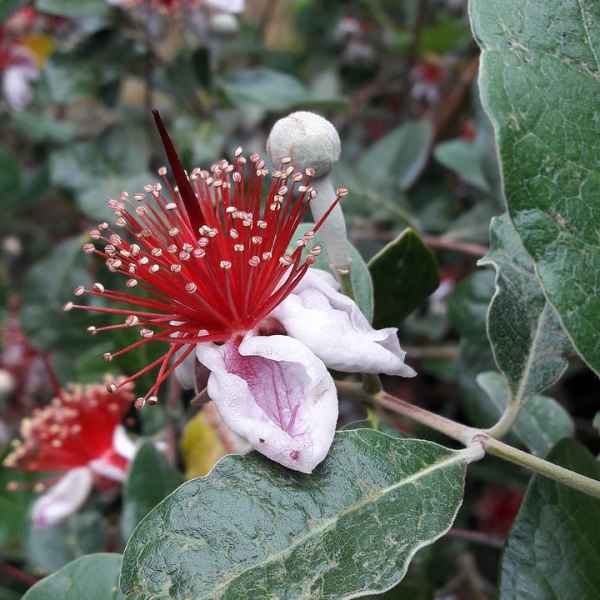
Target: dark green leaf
{"type": "Point", "coordinates": [526, 336]}
{"type": "Point", "coordinates": [252, 528]}
{"type": "Point", "coordinates": [404, 274]}
{"type": "Point", "coordinates": [7, 7]}
{"type": "Point", "coordinates": [14, 511]}
{"type": "Point", "coordinates": [150, 479]}
{"type": "Point", "coordinates": [93, 577]}
{"type": "Point", "coordinates": [10, 173]}
{"type": "Point", "coordinates": [542, 421]}
{"type": "Point", "coordinates": [553, 550]}
{"type": "Point", "coordinates": [361, 277]}
{"type": "Point", "coordinates": [400, 156]}
{"type": "Point", "coordinates": [540, 83]}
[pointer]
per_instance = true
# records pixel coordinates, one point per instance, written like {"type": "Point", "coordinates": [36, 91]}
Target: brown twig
{"type": "Point", "coordinates": [18, 575]}
{"type": "Point", "coordinates": [444, 111]}
{"type": "Point", "coordinates": [447, 351]}
{"type": "Point", "coordinates": [443, 243]}
{"type": "Point", "coordinates": [477, 537]}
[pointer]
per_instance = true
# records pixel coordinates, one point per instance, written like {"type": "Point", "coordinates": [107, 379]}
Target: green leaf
{"type": "Point", "coordinates": [400, 156]}
{"type": "Point", "coordinates": [74, 8]}
{"type": "Point", "coordinates": [252, 528]}
{"type": "Point", "coordinates": [465, 159]}
{"type": "Point", "coordinates": [7, 7]}
{"type": "Point", "coordinates": [526, 336]}
{"type": "Point", "coordinates": [93, 577]}
{"type": "Point", "coordinates": [266, 88]}
{"type": "Point", "coordinates": [69, 80]}
{"type": "Point", "coordinates": [553, 550]}
{"type": "Point", "coordinates": [542, 421]}
{"type": "Point", "coordinates": [14, 510]}
{"type": "Point", "coordinates": [40, 127]}
{"type": "Point", "coordinates": [48, 284]}
{"type": "Point", "coordinates": [404, 274]}
{"type": "Point", "coordinates": [540, 83]}
{"type": "Point", "coordinates": [50, 548]}
{"type": "Point", "coordinates": [361, 277]}
{"type": "Point", "coordinates": [93, 200]}
{"type": "Point", "coordinates": [10, 173]}
{"type": "Point", "coordinates": [149, 480]}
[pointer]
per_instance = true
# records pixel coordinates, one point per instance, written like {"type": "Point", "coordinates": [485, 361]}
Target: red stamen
{"type": "Point", "coordinates": [74, 429]}
{"type": "Point", "coordinates": [211, 257]}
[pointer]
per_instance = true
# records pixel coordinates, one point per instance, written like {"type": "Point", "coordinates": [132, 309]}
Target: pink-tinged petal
{"type": "Point", "coordinates": [334, 328]}
{"type": "Point", "coordinates": [64, 498]}
{"type": "Point", "coordinates": [274, 392]}
{"type": "Point", "coordinates": [16, 83]}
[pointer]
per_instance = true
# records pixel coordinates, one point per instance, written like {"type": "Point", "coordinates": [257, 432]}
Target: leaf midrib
{"type": "Point", "coordinates": [456, 457]}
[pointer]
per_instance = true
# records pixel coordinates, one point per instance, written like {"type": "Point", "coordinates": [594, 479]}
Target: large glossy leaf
{"type": "Point", "coordinates": [542, 421]}
{"type": "Point", "coordinates": [149, 480]}
{"type": "Point", "coordinates": [93, 577]}
{"type": "Point", "coordinates": [553, 550]}
{"type": "Point", "coordinates": [361, 277]}
{"type": "Point", "coordinates": [404, 274]}
{"type": "Point", "coordinates": [540, 83]}
{"type": "Point", "coordinates": [253, 529]}
{"type": "Point", "coordinates": [526, 336]}
{"type": "Point", "coordinates": [400, 156]}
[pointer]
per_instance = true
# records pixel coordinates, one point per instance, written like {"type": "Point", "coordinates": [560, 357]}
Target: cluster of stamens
{"type": "Point", "coordinates": [74, 429]}
{"type": "Point", "coordinates": [210, 254]}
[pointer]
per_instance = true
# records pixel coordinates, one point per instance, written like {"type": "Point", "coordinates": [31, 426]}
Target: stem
{"type": "Point", "coordinates": [468, 435]}
{"type": "Point", "coordinates": [477, 537]}
{"type": "Point", "coordinates": [478, 250]}
{"type": "Point", "coordinates": [449, 351]}
{"type": "Point", "coordinates": [18, 575]}
{"type": "Point", "coordinates": [509, 416]}
{"type": "Point", "coordinates": [452, 429]}
{"type": "Point", "coordinates": [51, 374]}
{"type": "Point", "coordinates": [584, 484]}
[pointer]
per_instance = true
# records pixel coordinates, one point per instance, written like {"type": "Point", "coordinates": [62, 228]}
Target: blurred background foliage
{"type": "Point", "coordinates": [398, 79]}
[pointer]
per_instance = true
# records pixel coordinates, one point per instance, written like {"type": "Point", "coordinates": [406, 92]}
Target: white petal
{"type": "Point", "coordinates": [231, 6]}
{"type": "Point", "coordinates": [275, 393]}
{"type": "Point", "coordinates": [64, 498]}
{"type": "Point", "coordinates": [186, 371]}
{"type": "Point", "coordinates": [123, 444]}
{"type": "Point", "coordinates": [16, 85]}
{"type": "Point", "coordinates": [334, 328]}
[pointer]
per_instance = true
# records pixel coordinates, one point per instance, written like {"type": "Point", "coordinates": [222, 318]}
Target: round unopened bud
{"type": "Point", "coordinates": [7, 382]}
{"type": "Point", "coordinates": [224, 24]}
{"type": "Point", "coordinates": [310, 140]}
